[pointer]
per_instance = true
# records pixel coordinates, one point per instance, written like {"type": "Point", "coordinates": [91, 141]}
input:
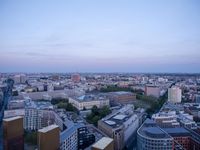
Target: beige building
{"type": "Point", "coordinates": [88, 101]}
{"type": "Point", "coordinates": [13, 133]}
{"type": "Point", "coordinates": [49, 138]}
{"type": "Point", "coordinates": [104, 143]}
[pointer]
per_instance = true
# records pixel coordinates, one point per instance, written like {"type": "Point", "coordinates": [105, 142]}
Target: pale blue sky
{"type": "Point", "coordinates": [100, 36]}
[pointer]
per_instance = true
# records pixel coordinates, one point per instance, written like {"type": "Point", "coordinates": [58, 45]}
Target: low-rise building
{"type": "Point", "coordinates": [88, 101]}
{"type": "Point", "coordinates": [104, 143]}
{"type": "Point", "coordinates": [121, 97]}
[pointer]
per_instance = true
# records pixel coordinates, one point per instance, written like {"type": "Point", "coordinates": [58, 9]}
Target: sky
{"type": "Point", "coordinates": [100, 36]}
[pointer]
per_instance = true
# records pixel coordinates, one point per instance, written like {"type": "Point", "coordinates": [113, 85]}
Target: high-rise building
{"type": "Point", "coordinates": [174, 95]}
{"type": "Point", "coordinates": [49, 138]}
{"type": "Point", "coordinates": [13, 133]}
{"type": "Point", "coordinates": [104, 143]}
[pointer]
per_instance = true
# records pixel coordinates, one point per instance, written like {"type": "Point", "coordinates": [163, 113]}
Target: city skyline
{"type": "Point", "coordinates": [100, 36]}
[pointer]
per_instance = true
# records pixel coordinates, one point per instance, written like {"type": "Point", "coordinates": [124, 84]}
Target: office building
{"type": "Point", "coordinates": [85, 138]}
{"type": "Point", "coordinates": [21, 78]}
{"type": "Point", "coordinates": [39, 114]}
{"type": "Point", "coordinates": [180, 135]}
{"type": "Point", "coordinates": [174, 95]}
{"type": "Point", "coordinates": [104, 143]}
{"type": "Point", "coordinates": [152, 90]}
{"type": "Point", "coordinates": [13, 133]}
{"type": "Point", "coordinates": [88, 101]}
{"type": "Point", "coordinates": [69, 137]}
{"type": "Point", "coordinates": [121, 97]}
{"type": "Point", "coordinates": [120, 126]}
{"type": "Point", "coordinates": [151, 137]}
{"type": "Point", "coordinates": [49, 138]}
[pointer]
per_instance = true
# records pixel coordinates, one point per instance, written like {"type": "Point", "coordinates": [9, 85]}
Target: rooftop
{"type": "Point", "coordinates": [48, 128]}
{"type": "Point", "coordinates": [120, 117]}
{"type": "Point", "coordinates": [38, 104]}
{"type": "Point", "coordinates": [180, 131]}
{"type": "Point", "coordinates": [66, 133]}
{"type": "Point", "coordinates": [91, 97]}
{"type": "Point", "coordinates": [11, 119]}
{"type": "Point", "coordinates": [151, 130]}
{"type": "Point", "coordinates": [102, 143]}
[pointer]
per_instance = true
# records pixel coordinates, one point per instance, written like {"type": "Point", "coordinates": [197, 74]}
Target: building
{"type": "Point", "coordinates": [174, 95]}
{"type": "Point", "coordinates": [104, 143]}
{"type": "Point", "coordinates": [85, 138]}
{"type": "Point", "coordinates": [16, 104]}
{"type": "Point", "coordinates": [181, 136]}
{"type": "Point", "coordinates": [166, 119]}
{"type": "Point", "coordinates": [88, 101]}
{"type": "Point", "coordinates": [120, 126]}
{"type": "Point", "coordinates": [13, 133]}
{"type": "Point", "coordinates": [152, 90]}
{"type": "Point", "coordinates": [69, 137]}
{"type": "Point", "coordinates": [121, 97]}
{"type": "Point", "coordinates": [49, 138]}
{"type": "Point", "coordinates": [76, 137]}
{"type": "Point", "coordinates": [39, 114]}
{"type": "Point", "coordinates": [76, 78]}
{"type": "Point", "coordinates": [14, 113]}
{"type": "Point", "coordinates": [197, 98]}
{"type": "Point", "coordinates": [151, 137]}
{"type": "Point", "coordinates": [21, 78]}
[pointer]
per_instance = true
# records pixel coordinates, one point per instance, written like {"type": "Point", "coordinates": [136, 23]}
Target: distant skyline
{"type": "Point", "coordinates": [100, 36]}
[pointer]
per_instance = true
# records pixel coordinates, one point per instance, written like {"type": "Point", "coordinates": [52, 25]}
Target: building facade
{"type": "Point", "coordinates": [120, 126]}
{"type": "Point", "coordinates": [174, 95]}
{"type": "Point", "coordinates": [13, 133]}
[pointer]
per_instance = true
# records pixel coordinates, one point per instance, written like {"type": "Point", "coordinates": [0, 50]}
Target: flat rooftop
{"type": "Point", "coordinates": [151, 130]}
{"type": "Point", "coordinates": [180, 131]}
{"type": "Point", "coordinates": [91, 97]}
{"type": "Point", "coordinates": [48, 128]}
{"type": "Point", "coordinates": [38, 104]}
{"type": "Point", "coordinates": [118, 118]}
{"type": "Point", "coordinates": [12, 118]}
{"type": "Point", "coordinates": [102, 143]}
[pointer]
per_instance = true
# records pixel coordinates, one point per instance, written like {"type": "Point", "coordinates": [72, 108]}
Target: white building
{"type": "Point", "coordinates": [39, 115]}
{"type": "Point", "coordinates": [88, 101]}
{"type": "Point", "coordinates": [174, 95]}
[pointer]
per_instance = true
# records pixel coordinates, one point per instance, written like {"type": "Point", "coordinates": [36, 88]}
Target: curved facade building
{"type": "Point", "coordinates": [152, 137]}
